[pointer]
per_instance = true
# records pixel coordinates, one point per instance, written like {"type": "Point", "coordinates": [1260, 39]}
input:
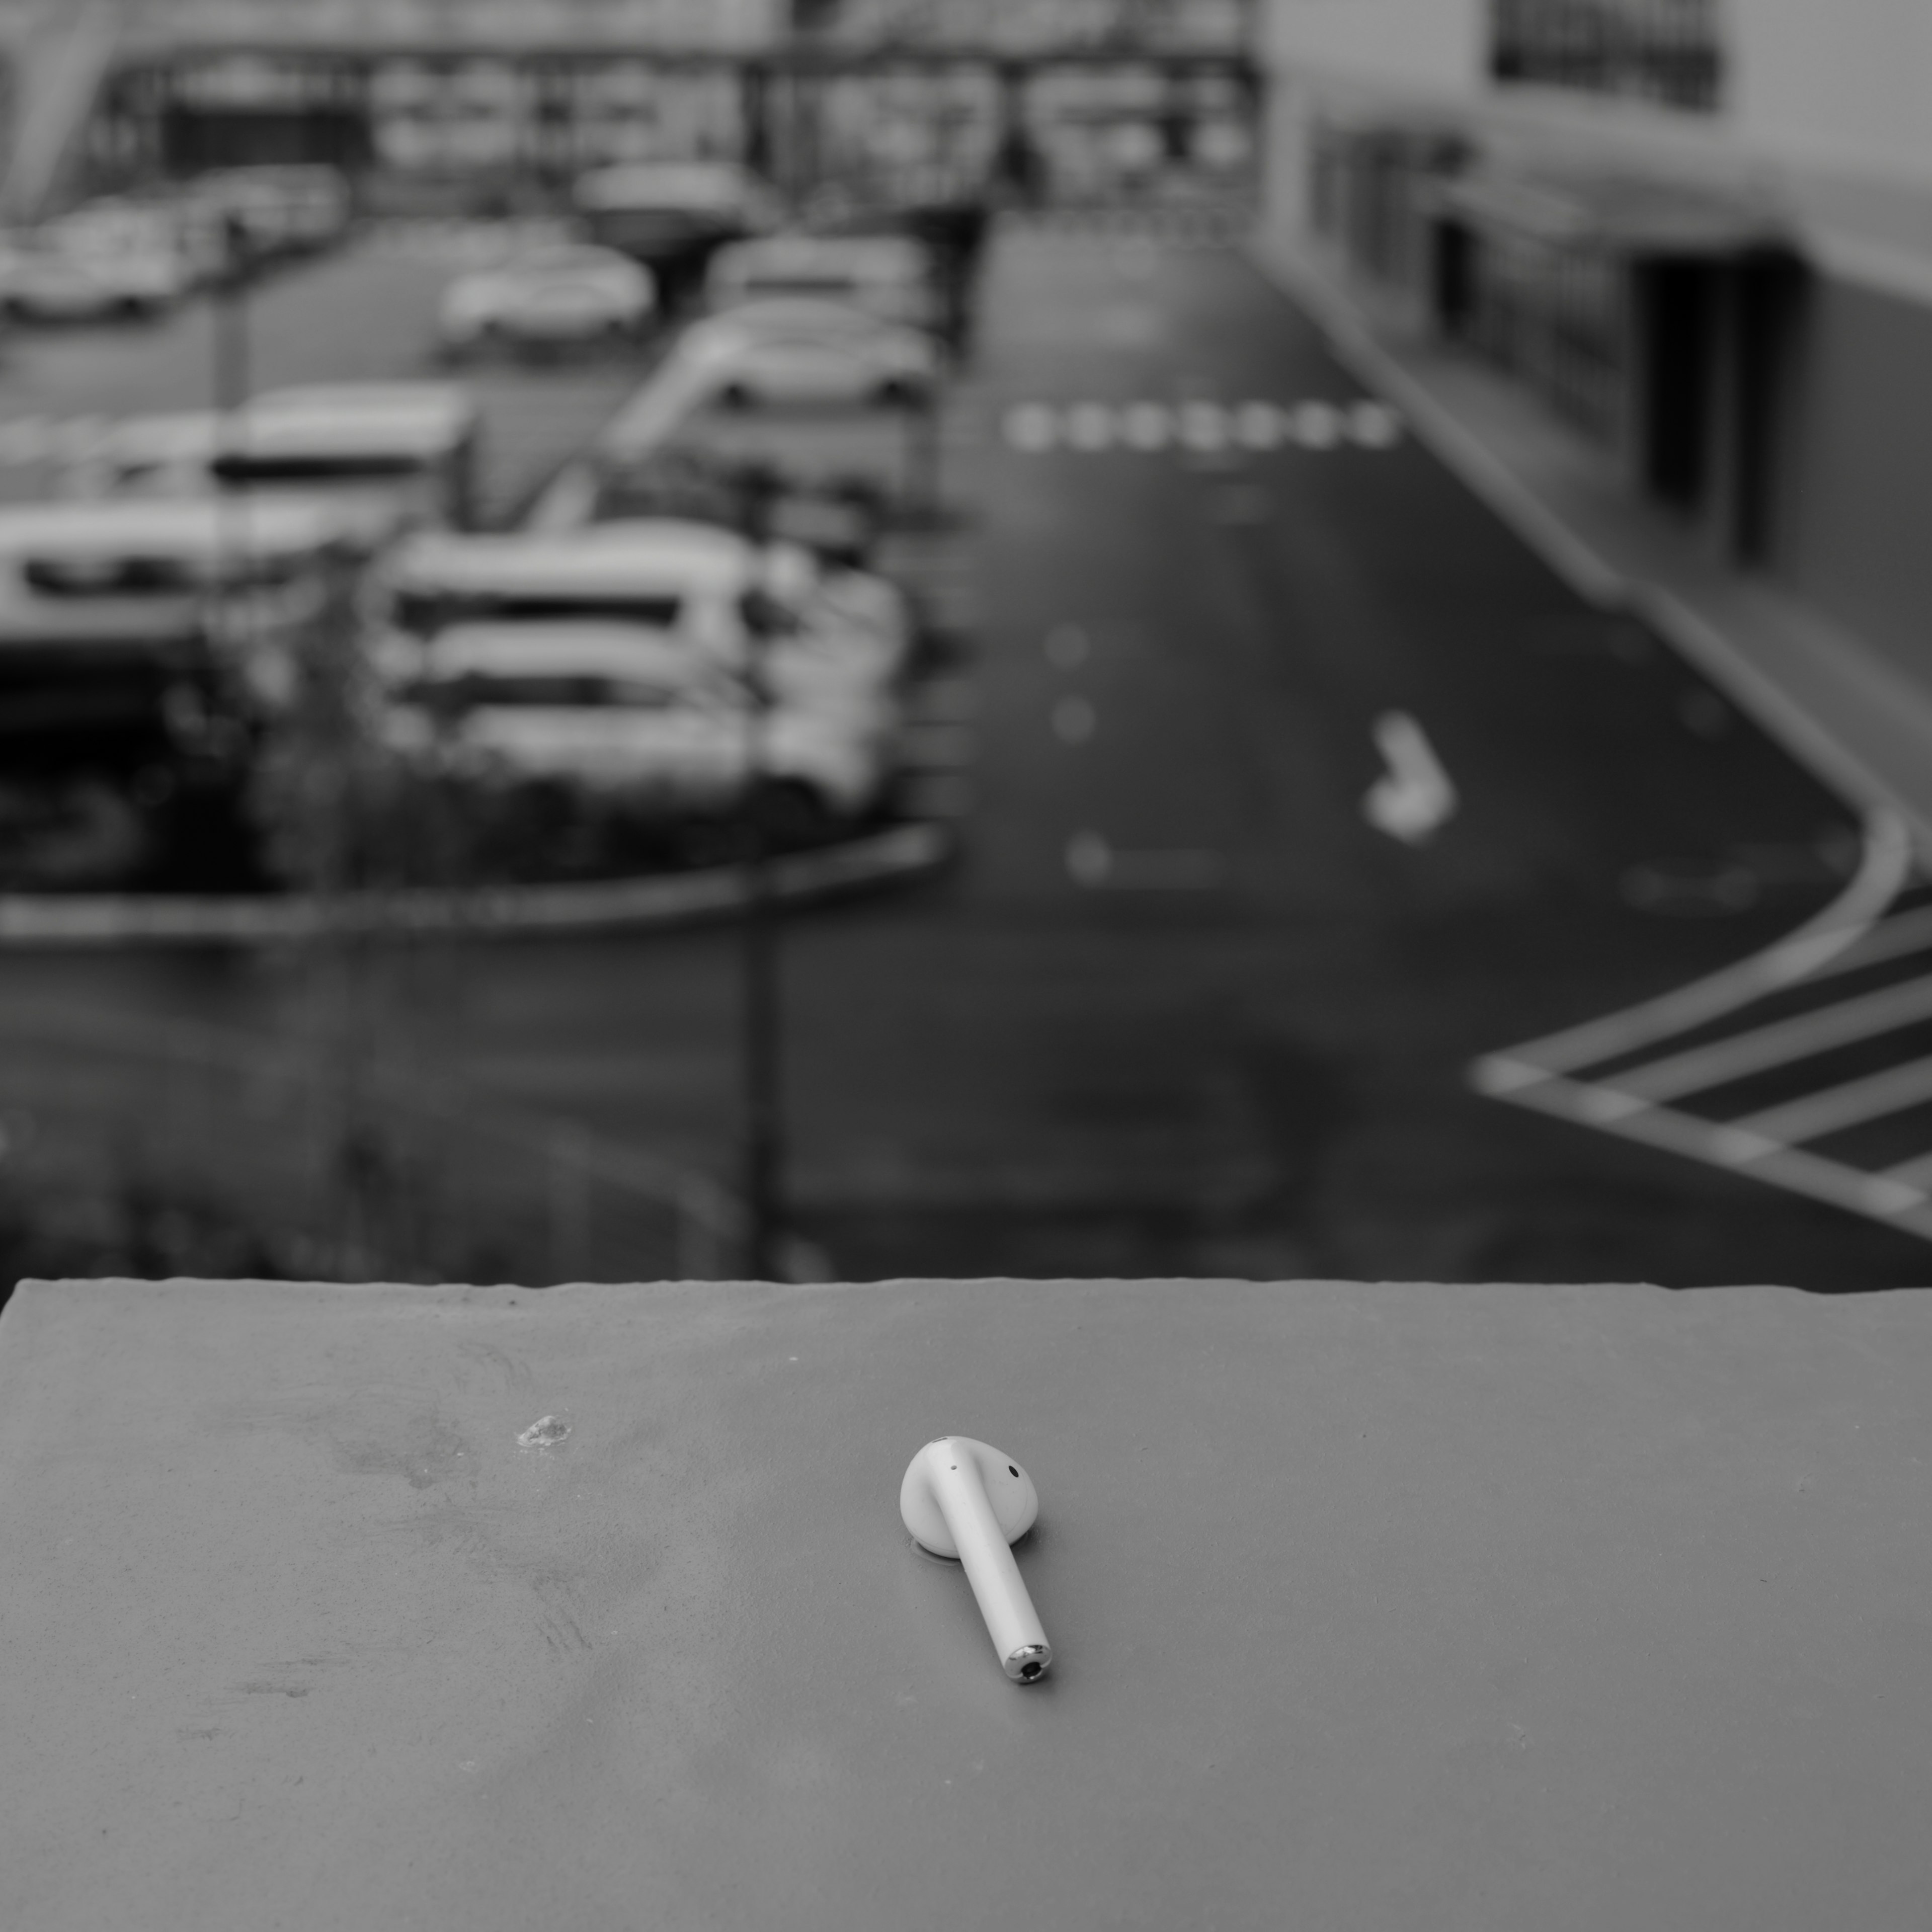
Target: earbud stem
{"type": "Point", "coordinates": [1011, 1620]}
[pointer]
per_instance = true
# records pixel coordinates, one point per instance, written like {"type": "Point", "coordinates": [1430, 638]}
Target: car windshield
{"type": "Point", "coordinates": [425, 612]}
{"type": "Point", "coordinates": [360, 467]}
{"type": "Point", "coordinates": [135, 575]}
{"type": "Point", "coordinates": [573, 691]}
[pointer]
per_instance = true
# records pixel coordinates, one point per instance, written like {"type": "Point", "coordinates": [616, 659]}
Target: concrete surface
{"type": "Point", "coordinates": [1391, 1606]}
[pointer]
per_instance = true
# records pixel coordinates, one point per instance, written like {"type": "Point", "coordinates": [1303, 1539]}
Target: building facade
{"type": "Point", "coordinates": [1699, 231]}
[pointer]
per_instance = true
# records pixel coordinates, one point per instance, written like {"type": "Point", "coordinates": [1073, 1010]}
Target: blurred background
{"type": "Point", "coordinates": [852, 638]}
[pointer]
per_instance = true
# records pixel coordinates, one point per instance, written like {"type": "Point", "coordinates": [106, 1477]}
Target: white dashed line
{"type": "Point", "coordinates": [1032, 427]}
{"type": "Point", "coordinates": [1629, 1074]}
{"type": "Point", "coordinates": [1317, 425]}
{"type": "Point", "coordinates": [1203, 426]}
{"type": "Point", "coordinates": [1146, 426]}
{"type": "Point", "coordinates": [1259, 426]}
{"type": "Point", "coordinates": [1090, 426]}
{"type": "Point", "coordinates": [1199, 426]}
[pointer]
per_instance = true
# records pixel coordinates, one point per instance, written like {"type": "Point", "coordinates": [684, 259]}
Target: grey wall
{"type": "Point", "coordinates": [1856, 527]}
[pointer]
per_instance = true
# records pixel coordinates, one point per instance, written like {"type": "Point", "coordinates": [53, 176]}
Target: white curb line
{"type": "Point", "coordinates": [120, 919]}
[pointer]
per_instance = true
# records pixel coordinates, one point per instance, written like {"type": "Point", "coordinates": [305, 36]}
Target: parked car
{"type": "Point", "coordinates": [671, 215]}
{"type": "Point", "coordinates": [569, 295]}
{"type": "Point", "coordinates": [394, 456]}
{"type": "Point", "coordinates": [87, 588]}
{"type": "Point", "coordinates": [620, 708]}
{"type": "Point", "coordinates": [797, 351]}
{"type": "Point", "coordinates": [840, 636]}
{"type": "Point", "coordinates": [839, 522]}
{"type": "Point", "coordinates": [55, 274]}
{"type": "Point", "coordinates": [886, 276]}
{"type": "Point", "coordinates": [155, 222]}
{"type": "Point", "coordinates": [280, 208]}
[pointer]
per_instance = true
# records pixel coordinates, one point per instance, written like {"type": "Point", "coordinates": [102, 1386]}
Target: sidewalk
{"type": "Point", "coordinates": [1850, 713]}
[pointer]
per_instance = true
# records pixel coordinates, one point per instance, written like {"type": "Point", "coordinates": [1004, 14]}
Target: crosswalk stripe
{"type": "Point", "coordinates": [1852, 1104]}
{"type": "Point", "coordinates": [1784, 1040]}
{"type": "Point", "coordinates": [1914, 1173]}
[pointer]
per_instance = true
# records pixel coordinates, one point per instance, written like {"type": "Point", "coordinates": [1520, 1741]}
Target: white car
{"type": "Point", "coordinates": [801, 352]}
{"type": "Point", "coordinates": [886, 276]}
{"type": "Point", "coordinates": [394, 455]}
{"type": "Point", "coordinates": [86, 582]}
{"type": "Point", "coordinates": [833, 637]}
{"type": "Point", "coordinates": [570, 294]}
{"type": "Point", "coordinates": [47, 276]}
{"type": "Point", "coordinates": [617, 708]}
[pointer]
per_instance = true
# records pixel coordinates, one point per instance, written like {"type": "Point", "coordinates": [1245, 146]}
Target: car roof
{"type": "Point", "coordinates": [662, 554]}
{"type": "Point", "coordinates": [183, 526]}
{"type": "Point", "coordinates": [563, 645]}
{"type": "Point", "coordinates": [418, 401]}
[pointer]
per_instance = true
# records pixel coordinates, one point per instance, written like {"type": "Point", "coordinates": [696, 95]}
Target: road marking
{"type": "Point", "coordinates": [1090, 426]}
{"type": "Point", "coordinates": [1199, 426]}
{"type": "Point", "coordinates": [934, 748]}
{"type": "Point", "coordinates": [1092, 862]}
{"type": "Point", "coordinates": [1781, 1042]}
{"type": "Point", "coordinates": [1859, 929]}
{"type": "Point", "coordinates": [1318, 425]}
{"type": "Point", "coordinates": [1032, 427]}
{"type": "Point", "coordinates": [1067, 646]}
{"type": "Point", "coordinates": [943, 700]}
{"type": "Point", "coordinates": [26, 440]}
{"type": "Point", "coordinates": [1374, 425]}
{"type": "Point", "coordinates": [1260, 426]}
{"type": "Point", "coordinates": [1203, 426]}
{"type": "Point", "coordinates": [1414, 799]}
{"type": "Point", "coordinates": [1075, 720]}
{"type": "Point", "coordinates": [1850, 1104]}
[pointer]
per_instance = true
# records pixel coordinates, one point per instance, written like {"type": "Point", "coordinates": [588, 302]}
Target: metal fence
{"type": "Point", "coordinates": [149, 1147]}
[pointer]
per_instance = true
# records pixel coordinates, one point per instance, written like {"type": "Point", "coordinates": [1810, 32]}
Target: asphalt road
{"type": "Point", "coordinates": [1183, 1008]}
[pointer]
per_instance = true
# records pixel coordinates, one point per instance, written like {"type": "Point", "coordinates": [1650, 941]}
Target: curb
{"type": "Point", "coordinates": [905, 853]}
{"type": "Point", "coordinates": [1598, 581]}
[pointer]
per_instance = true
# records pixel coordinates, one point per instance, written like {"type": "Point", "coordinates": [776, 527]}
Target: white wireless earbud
{"type": "Point", "coordinates": [963, 1499]}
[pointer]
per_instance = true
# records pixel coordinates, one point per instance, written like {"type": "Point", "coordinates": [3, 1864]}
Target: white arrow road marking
{"type": "Point", "coordinates": [1414, 799]}
{"type": "Point", "coordinates": [1093, 863]}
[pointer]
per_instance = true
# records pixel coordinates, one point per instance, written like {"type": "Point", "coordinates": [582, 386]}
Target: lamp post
{"type": "Point", "coordinates": [762, 1042]}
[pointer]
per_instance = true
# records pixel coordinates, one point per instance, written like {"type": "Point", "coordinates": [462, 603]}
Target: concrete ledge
{"type": "Point", "coordinates": [906, 853]}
